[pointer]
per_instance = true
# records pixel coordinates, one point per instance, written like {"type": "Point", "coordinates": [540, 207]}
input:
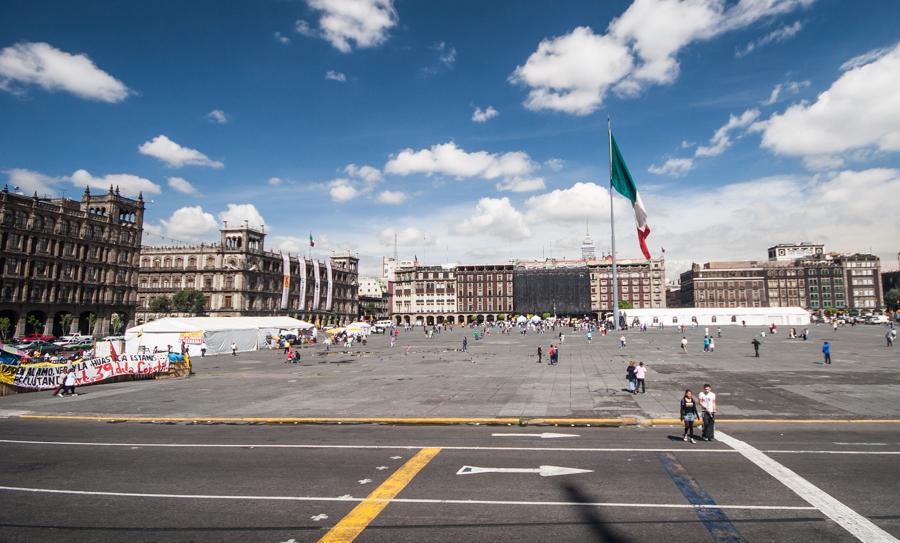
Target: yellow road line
{"type": "Point", "coordinates": [288, 420]}
{"type": "Point", "coordinates": [359, 518]}
{"type": "Point", "coordinates": [782, 421]}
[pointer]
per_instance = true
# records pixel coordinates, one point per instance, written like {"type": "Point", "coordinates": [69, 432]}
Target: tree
{"type": "Point", "coordinates": [161, 304]}
{"type": "Point", "coordinates": [189, 301]}
{"type": "Point", "coordinates": [5, 324]}
{"type": "Point", "coordinates": [92, 322]}
{"type": "Point", "coordinates": [501, 317]}
{"type": "Point", "coordinates": [33, 322]}
{"type": "Point", "coordinates": [546, 315]}
{"type": "Point", "coordinates": [66, 323]}
{"type": "Point", "coordinates": [625, 304]}
{"type": "Point", "coordinates": [892, 299]}
{"type": "Point", "coordinates": [116, 323]}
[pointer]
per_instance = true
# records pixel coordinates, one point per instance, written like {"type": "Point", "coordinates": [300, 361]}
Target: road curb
{"type": "Point", "coordinates": [438, 421]}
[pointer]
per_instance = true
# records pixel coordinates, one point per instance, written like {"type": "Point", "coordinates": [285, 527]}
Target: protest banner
{"type": "Point", "coordinates": [48, 376]}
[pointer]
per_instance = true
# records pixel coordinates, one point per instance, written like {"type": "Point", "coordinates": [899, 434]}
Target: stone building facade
{"type": "Point", "coordinates": [484, 289]}
{"type": "Point", "coordinates": [641, 282]}
{"type": "Point", "coordinates": [424, 294]}
{"type": "Point", "coordinates": [239, 277]}
{"type": "Point", "coordinates": [69, 266]}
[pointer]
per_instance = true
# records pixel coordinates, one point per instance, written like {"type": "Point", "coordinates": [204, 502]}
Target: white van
{"type": "Point", "coordinates": [383, 326]}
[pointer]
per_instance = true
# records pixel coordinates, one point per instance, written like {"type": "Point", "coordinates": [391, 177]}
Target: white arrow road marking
{"type": "Point", "coordinates": [543, 471]}
{"type": "Point", "coordinates": [321, 516]}
{"type": "Point", "coordinates": [545, 435]}
{"type": "Point", "coordinates": [381, 468]}
{"type": "Point", "coordinates": [364, 481]}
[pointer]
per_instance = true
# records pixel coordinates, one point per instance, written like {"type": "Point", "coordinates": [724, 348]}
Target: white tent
{"type": "Point", "coordinates": [358, 328]}
{"type": "Point", "coordinates": [248, 333]}
{"type": "Point", "coordinates": [721, 316]}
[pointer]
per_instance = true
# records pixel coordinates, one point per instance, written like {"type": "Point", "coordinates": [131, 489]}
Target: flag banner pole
{"type": "Point", "coordinates": [612, 230]}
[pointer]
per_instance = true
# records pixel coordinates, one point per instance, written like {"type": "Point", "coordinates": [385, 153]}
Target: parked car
{"type": "Point", "coordinates": [74, 338]}
{"type": "Point", "coordinates": [34, 337]}
{"type": "Point", "coordinates": [877, 319]}
{"type": "Point", "coordinates": [38, 345]}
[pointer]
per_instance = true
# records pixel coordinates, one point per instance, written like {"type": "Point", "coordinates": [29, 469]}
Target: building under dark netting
{"type": "Point", "coordinates": [560, 291]}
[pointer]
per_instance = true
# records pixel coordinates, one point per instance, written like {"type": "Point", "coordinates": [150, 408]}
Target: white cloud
{"type": "Point", "coordinates": [484, 115]}
{"type": "Point", "coordinates": [175, 155]}
{"type": "Point", "coordinates": [859, 112]}
{"type": "Point", "coordinates": [365, 23]}
{"type": "Point", "coordinates": [41, 64]}
{"type": "Point", "coordinates": [585, 200]}
{"type": "Point", "coordinates": [336, 76]}
{"type": "Point", "coordinates": [780, 34]}
{"type": "Point", "coordinates": [282, 39]}
{"type": "Point", "coordinates": [183, 186]}
{"type": "Point", "coordinates": [573, 72]}
{"type": "Point", "coordinates": [392, 197]}
{"type": "Point", "coordinates": [675, 167]}
{"type": "Point", "coordinates": [303, 27]}
{"type": "Point", "coordinates": [342, 190]}
{"type": "Point", "coordinates": [781, 90]}
{"type": "Point", "coordinates": [522, 184]}
{"type": "Point", "coordinates": [446, 53]}
{"type": "Point", "coordinates": [187, 224]}
{"type": "Point", "coordinates": [718, 143]}
{"type": "Point", "coordinates": [28, 182]}
{"type": "Point", "coordinates": [866, 58]}
{"type": "Point", "coordinates": [721, 140]}
{"type": "Point", "coordinates": [236, 214]}
{"type": "Point", "coordinates": [129, 185]}
{"type": "Point", "coordinates": [369, 174]}
{"type": "Point", "coordinates": [407, 237]}
{"type": "Point", "coordinates": [555, 164]}
{"type": "Point", "coordinates": [275, 181]}
{"type": "Point", "coordinates": [217, 116]}
{"type": "Point", "coordinates": [448, 159]}
{"type": "Point", "coordinates": [494, 217]}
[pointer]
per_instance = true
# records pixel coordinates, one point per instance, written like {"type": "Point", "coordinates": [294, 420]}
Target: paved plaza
{"type": "Point", "coordinates": [499, 377]}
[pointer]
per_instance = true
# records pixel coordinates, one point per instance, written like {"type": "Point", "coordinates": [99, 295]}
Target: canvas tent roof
{"type": "Point", "coordinates": [209, 324]}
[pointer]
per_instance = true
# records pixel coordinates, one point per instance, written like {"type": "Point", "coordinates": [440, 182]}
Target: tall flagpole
{"type": "Point", "coordinates": [612, 230]}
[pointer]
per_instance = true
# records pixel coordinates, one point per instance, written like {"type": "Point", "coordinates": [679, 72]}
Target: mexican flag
{"type": "Point", "coordinates": [621, 180]}
{"type": "Point", "coordinates": [311, 242]}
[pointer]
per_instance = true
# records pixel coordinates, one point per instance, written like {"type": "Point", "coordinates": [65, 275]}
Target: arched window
{"type": "Point", "coordinates": [167, 262]}
{"type": "Point", "coordinates": [192, 263]}
{"type": "Point", "coordinates": [210, 262]}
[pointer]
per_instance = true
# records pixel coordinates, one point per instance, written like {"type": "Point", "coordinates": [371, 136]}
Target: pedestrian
{"type": "Point", "coordinates": [709, 407]}
{"type": "Point", "coordinates": [756, 344]}
{"type": "Point", "coordinates": [834, 325]}
{"type": "Point", "coordinates": [889, 337]}
{"type": "Point", "coordinates": [290, 356]}
{"type": "Point", "coordinates": [233, 349]}
{"type": "Point", "coordinates": [590, 336]}
{"type": "Point", "coordinates": [393, 340]}
{"type": "Point", "coordinates": [69, 384]}
{"type": "Point", "coordinates": [706, 344]}
{"type": "Point", "coordinates": [719, 332]}
{"type": "Point", "coordinates": [640, 373]}
{"type": "Point", "coordinates": [630, 377]}
{"type": "Point", "coordinates": [684, 344]}
{"type": "Point", "coordinates": [712, 345]}
{"type": "Point", "coordinates": [688, 415]}
{"type": "Point", "coordinates": [203, 349]}
{"type": "Point", "coordinates": [622, 342]}
{"type": "Point", "coordinates": [826, 351]}
{"type": "Point", "coordinates": [552, 354]}
{"type": "Point", "coordinates": [465, 343]}
{"type": "Point", "coordinates": [540, 359]}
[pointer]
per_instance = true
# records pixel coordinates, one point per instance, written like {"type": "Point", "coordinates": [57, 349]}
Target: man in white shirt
{"type": "Point", "coordinates": [709, 407]}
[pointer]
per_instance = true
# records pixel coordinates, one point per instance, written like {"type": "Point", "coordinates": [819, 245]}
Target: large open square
{"type": "Point", "coordinates": [226, 458]}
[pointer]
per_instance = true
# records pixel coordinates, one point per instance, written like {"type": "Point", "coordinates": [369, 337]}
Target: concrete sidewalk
{"type": "Point", "coordinates": [499, 377]}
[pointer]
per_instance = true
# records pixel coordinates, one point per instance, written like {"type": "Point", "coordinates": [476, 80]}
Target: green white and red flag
{"type": "Point", "coordinates": [621, 180]}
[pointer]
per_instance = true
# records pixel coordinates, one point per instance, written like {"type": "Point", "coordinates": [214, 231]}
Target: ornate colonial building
{"type": "Point", "coordinates": [67, 265]}
{"type": "Point", "coordinates": [240, 278]}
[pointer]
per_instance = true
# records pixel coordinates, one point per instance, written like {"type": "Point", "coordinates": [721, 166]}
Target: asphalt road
{"type": "Point", "coordinates": [89, 481]}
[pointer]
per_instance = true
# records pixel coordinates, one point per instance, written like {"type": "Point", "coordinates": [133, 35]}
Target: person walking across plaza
{"type": "Point", "coordinates": [708, 408]}
{"type": "Point", "coordinates": [465, 343]}
{"type": "Point", "coordinates": [540, 354]}
{"type": "Point", "coordinates": [203, 350]}
{"type": "Point", "coordinates": [622, 342]}
{"type": "Point", "coordinates": [712, 345]}
{"type": "Point", "coordinates": [640, 373]}
{"type": "Point", "coordinates": [706, 344]}
{"type": "Point", "coordinates": [233, 349]}
{"type": "Point", "coordinates": [68, 384]}
{"type": "Point", "coordinates": [826, 353]}
{"type": "Point", "coordinates": [756, 344]}
{"type": "Point", "coordinates": [688, 415]}
{"type": "Point", "coordinates": [684, 344]}
{"type": "Point", "coordinates": [889, 337]}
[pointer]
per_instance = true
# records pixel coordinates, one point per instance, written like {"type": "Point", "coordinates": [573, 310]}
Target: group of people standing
{"type": "Point", "coordinates": [636, 375]}
{"type": "Point", "coordinates": [552, 354]}
{"type": "Point", "coordinates": [706, 414]}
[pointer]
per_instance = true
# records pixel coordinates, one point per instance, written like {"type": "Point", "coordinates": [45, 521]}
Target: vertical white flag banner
{"type": "Point", "coordinates": [328, 276]}
{"type": "Point", "coordinates": [302, 282]}
{"type": "Point", "coordinates": [286, 284]}
{"type": "Point", "coordinates": [315, 300]}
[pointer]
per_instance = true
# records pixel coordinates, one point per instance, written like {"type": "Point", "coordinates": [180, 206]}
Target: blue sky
{"type": "Point", "coordinates": [356, 124]}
